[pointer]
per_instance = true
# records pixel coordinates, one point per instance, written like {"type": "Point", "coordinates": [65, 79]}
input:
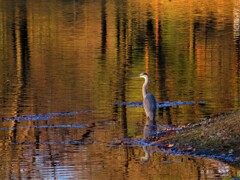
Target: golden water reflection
{"type": "Point", "coordinates": [69, 56]}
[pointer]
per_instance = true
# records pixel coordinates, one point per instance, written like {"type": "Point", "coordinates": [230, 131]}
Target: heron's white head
{"type": "Point", "coordinates": [143, 75]}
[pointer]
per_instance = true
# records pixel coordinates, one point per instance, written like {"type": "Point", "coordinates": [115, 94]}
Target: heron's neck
{"type": "Point", "coordinates": [144, 88]}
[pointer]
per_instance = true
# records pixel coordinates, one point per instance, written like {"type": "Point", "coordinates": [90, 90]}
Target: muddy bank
{"type": "Point", "coordinates": [217, 137]}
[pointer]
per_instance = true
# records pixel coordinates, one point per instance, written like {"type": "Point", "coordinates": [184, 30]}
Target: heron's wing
{"type": "Point", "coordinates": [149, 104]}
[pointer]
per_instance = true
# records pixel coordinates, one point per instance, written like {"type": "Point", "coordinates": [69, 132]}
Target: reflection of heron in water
{"type": "Point", "coordinates": [149, 131]}
{"type": "Point", "coordinates": [150, 107]}
{"type": "Point", "coordinates": [147, 155]}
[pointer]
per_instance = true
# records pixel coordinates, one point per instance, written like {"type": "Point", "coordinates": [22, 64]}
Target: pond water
{"type": "Point", "coordinates": [66, 67]}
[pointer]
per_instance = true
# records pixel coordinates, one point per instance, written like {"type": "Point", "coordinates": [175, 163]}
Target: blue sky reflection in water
{"type": "Point", "coordinates": [74, 56]}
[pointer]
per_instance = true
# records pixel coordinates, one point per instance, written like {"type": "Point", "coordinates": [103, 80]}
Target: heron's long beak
{"type": "Point", "coordinates": [137, 77]}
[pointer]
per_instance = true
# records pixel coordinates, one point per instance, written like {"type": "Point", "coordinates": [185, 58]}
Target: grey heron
{"type": "Point", "coordinates": [150, 107]}
{"type": "Point", "coordinates": [149, 101]}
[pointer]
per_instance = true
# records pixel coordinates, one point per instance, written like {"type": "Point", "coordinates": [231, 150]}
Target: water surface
{"type": "Point", "coordinates": [83, 56]}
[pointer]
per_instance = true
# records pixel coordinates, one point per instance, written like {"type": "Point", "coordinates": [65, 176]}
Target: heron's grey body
{"type": "Point", "coordinates": [149, 104]}
{"type": "Point", "coordinates": [149, 101]}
